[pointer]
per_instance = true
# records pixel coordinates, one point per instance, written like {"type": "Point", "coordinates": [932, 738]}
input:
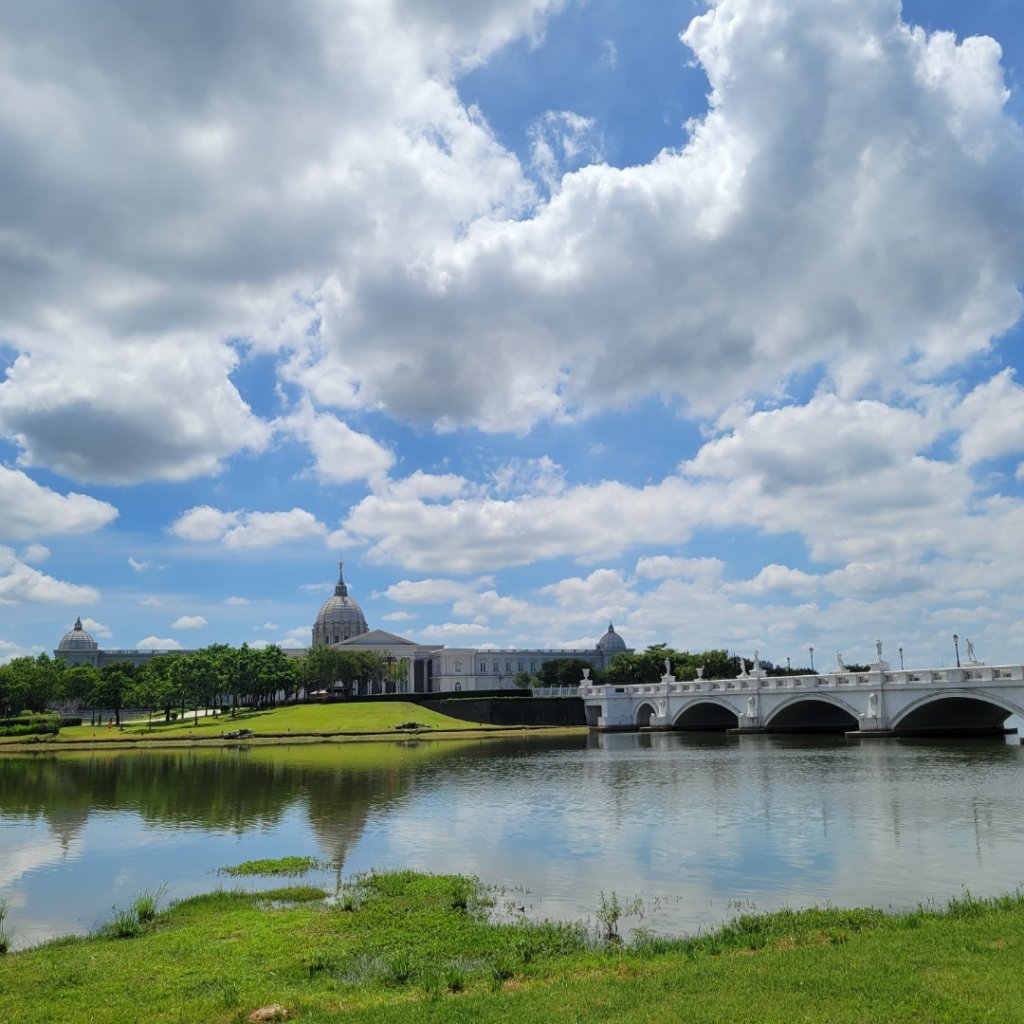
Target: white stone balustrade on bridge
{"type": "Point", "coordinates": [972, 699]}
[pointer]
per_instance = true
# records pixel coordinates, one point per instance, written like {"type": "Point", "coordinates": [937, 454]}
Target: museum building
{"type": "Point", "coordinates": [417, 668]}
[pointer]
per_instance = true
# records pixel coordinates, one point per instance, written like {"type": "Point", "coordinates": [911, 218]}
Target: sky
{"type": "Point", "coordinates": [701, 318]}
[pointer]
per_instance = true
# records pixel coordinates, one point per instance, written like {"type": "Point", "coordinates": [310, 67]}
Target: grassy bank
{"type": "Point", "coordinates": [309, 721]}
{"type": "Point", "coordinates": [402, 946]}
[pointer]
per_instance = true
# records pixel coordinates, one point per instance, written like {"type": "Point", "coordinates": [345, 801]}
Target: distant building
{"type": "Point", "coordinates": [77, 647]}
{"type": "Point", "coordinates": [416, 668]}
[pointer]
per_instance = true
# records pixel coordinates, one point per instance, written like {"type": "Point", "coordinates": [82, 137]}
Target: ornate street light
{"type": "Point", "coordinates": [956, 644]}
{"type": "Point", "coordinates": [811, 649]}
{"type": "Point", "coordinates": [901, 659]}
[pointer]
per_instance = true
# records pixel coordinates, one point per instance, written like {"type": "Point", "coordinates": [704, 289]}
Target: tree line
{"type": "Point", "coordinates": [214, 676]}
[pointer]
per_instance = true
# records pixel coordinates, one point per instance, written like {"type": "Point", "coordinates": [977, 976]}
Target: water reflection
{"type": "Point", "coordinates": [691, 822]}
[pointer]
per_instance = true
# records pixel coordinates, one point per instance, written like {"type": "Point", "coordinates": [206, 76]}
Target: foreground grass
{"type": "Point", "coordinates": [402, 946]}
{"type": "Point", "coordinates": [298, 720]}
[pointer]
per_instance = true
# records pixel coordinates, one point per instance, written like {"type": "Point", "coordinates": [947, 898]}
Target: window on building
{"type": "Point", "coordinates": [508, 666]}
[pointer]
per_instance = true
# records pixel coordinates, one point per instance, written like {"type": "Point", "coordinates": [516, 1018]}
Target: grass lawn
{"type": "Point", "coordinates": [402, 946]}
{"type": "Point", "coordinates": [299, 719]}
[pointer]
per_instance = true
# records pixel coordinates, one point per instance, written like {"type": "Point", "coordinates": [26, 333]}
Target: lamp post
{"type": "Point", "coordinates": [811, 649]}
{"type": "Point", "coordinates": [789, 668]}
{"type": "Point", "coordinates": [901, 659]}
{"type": "Point", "coordinates": [956, 645]}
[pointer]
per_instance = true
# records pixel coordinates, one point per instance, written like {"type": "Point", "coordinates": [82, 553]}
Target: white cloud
{"type": "Point", "coordinates": [35, 553]}
{"type": "Point", "coordinates": [658, 567]}
{"type": "Point", "coordinates": [188, 622]}
{"type": "Point", "coordinates": [854, 206]}
{"type": "Point", "coordinates": [237, 602]}
{"type": "Point", "coordinates": [94, 627]}
{"type": "Point", "coordinates": [9, 650]}
{"type": "Point", "coordinates": [398, 617]}
{"type": "Point", "coordinates": [476, 532]}
{"type": "Point", "coordinates": [158, 643]}
{"type": "Point", "coordinates": [340, 453]}
{"type": "Point", "coordinates": [162, 408]}
{"type": "Point", "coordinates": [561, 140]}
{"type": "Point", "coordinates": [28, 509]}
{"type": "Point", "coordinates": [992, 419]}
{"type": "Point", "coordinates": [151, 602]}
{"type": "Point", "coordinates": [245, 530]}
{"type": "Point", "coordinates": [20, 583]}
{"type": "Point", "coordinates": [429, 591]}
{"type": "Point", "coordinates": [232, 198]}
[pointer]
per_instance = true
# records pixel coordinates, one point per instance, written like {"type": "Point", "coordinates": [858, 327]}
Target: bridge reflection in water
{"type": "Point", "coordinates": [973, 700]}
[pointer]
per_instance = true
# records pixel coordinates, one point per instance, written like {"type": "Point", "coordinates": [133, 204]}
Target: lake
{"type": "Point", "coordinates": [696, 825]}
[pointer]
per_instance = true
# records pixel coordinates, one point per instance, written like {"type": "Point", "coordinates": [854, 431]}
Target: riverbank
{"type": "Point", "coordinates": [305, 723]}
{"type": "Point", "coordinates": [400, 946]}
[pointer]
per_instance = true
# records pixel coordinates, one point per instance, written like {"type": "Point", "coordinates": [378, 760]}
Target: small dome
{"type": "Point", "coordinates": [77, 640]}
{"type": "Point", "coordinates": [611, 642]}
{"type": "Point", "coordinates": [340, 618]}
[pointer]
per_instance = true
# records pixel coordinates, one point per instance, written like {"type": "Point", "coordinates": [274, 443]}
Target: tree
{"type": "Point", "coordinates": [113, 687]}
{"type": "Point", "coordinates": [77, 685]}
{"type": "Point", "coordinates": [276, 673]}
{"type": "Point", "coordinates": [156, 687]}
{"type": "Point", "coordinates": [561, 672]}
{"type": "Point", "coordinates": [30, 684]}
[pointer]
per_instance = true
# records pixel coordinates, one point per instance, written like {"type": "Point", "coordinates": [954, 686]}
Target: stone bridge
{"type": "Point", "coordinates": [976, 699]}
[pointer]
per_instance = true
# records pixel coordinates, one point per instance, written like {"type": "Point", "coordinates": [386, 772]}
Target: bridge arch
{"type": "Point", "coordinates": [957, 711]}
{"type": "Point", "coordinates": [820, 713]}
{"type": "Point", "coordinates": [643, 715]}
{"type": "Point", "coordinates": [706, 716]}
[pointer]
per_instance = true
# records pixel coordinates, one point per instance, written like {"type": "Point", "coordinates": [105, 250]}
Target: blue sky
{"type": "Point", "coordinates": [540, 313]}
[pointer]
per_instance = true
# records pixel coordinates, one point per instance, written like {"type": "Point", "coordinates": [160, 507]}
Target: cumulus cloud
{"type": "Point", "coordinates": [159, 643]}
{"type": "Point", "coordinates": [561, 140]}
{"type": "Point", "coordinates": [474, 530]}
{"type": "Point", "coordinates": [226, 200]}
{"type": "Point", "coordinates": [35, 553]}
{"type": "Point", "coordinates": [340, 453]}
{"type": "Point", "coordinates": [853, 203]}
{"type": "Point", "coordinates": [21, 583]}
{"type": "Point", "coordinates": [242, 530]}
{"type": "Point", "coordinates": [992, 419]}
{"type": "Point", "coordinates": [28, 509]}
{"type": "Point", "coordinates": [94, 627]}
{"type": "Point", "coordinates": [237, 601]}
{"type": "Point", "coordinates": [188, 622]}
{"type": "Point", "coordinates": [156, 409]}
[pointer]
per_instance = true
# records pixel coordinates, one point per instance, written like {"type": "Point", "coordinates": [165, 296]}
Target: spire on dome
{"type": "Point", "coordinates": [341, 590]}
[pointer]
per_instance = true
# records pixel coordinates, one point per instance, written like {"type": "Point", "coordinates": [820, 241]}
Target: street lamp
{"type": "Point", "coordinates": [956, 644]}
{"type": "Point", "coordinates": [901, 659]}
{"type": "Point", "coordinates": [811, 649]}
{"type": "Point", "coordinates": [789, 668]}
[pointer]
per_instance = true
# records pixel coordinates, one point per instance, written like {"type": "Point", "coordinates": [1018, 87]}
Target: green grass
{"type": "Point", "coordinates": [402, 946]}
{"type": "Point", "coordinates": [277, 866]}
{"type": "Point", "coordinates": [301, 720]}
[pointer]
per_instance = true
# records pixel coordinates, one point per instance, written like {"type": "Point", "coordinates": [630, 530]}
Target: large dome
{"type": "Point", "coordinates": [77, 640]}
{"type": "Point", "coordinates": [611, 642]}
{"type": "Point", "coordinates": [340, 618]}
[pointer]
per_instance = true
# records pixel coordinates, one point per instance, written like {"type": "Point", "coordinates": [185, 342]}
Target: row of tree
{"type": "Point", "coordinates": [216, 675]}
{"type": "Point", "coordinates": [649, 666]}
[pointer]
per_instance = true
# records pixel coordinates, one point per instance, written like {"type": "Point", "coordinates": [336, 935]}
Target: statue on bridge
{"type": "Point", "coordinates": [970, 652]}
{"type": "Point", "coordinates": [878, 649]}
{"type": "Point", "coordinates": [839, 661]}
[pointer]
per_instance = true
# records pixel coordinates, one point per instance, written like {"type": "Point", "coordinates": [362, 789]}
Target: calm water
{"type": "Point", "coordinates": [695, 825]}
